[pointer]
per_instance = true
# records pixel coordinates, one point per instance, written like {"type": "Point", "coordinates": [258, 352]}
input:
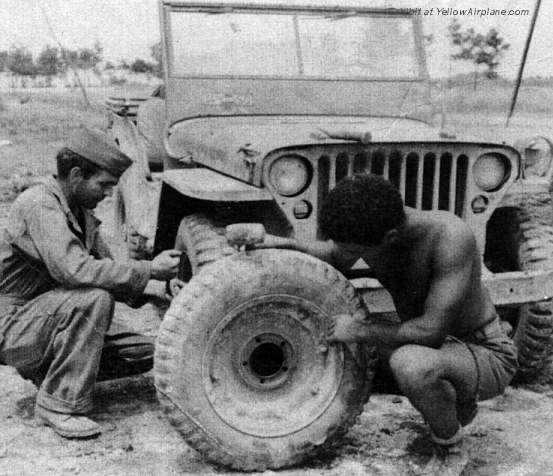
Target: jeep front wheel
{"type": "Point", "coordinates": [202, 242]}
{"type": "Point", "coordinates": [242, 366]}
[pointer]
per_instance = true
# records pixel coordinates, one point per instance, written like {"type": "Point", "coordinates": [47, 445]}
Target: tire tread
{"type": "Point", "coordinates": [199, 290]}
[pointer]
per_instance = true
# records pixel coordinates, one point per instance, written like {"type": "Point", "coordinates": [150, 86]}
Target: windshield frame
{"type": "Point", "coordinates": [167, 44]}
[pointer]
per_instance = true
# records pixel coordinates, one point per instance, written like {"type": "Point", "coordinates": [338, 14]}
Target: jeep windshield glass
{"type": "Point", "coordinates": [291, 45]}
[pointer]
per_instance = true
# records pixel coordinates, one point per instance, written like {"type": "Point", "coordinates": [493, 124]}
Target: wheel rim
{"type": "Point", "coordinates": [266, 361]}
{"type": "Point", "coordinates": [267, 371]}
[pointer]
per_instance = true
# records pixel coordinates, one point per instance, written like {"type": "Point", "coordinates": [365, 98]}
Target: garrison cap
{"type": "Point", "coordinates": [95, 146]}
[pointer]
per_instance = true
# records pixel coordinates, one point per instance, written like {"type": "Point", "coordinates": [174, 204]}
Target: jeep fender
{"type": "Point", "coordinates": [193, 190]}
{"type": "Point", "coordinates": [205, 184]}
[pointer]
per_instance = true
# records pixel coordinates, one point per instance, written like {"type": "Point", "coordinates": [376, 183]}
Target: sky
{"type": "Point", "coordinates": [127, 28]}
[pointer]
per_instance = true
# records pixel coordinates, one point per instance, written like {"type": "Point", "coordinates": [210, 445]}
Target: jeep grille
{"type": "Point", "coordinates": [427, 180]}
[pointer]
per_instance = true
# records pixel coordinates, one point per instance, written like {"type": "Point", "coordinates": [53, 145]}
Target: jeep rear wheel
{"type": "Point", "coordinates": [242, 366]}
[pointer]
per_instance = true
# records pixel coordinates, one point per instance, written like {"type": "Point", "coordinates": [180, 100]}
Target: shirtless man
{"type": "Point", "coordinates": [448, 350]}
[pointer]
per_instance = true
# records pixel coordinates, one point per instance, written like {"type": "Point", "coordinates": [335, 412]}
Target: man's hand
{"type": "Point", "coordinates": [348, 328]}
{"type": "Point", "coordinates": [137, 244]}
{"type": "Point", "coordinates": [165, 265]}
{"type": "Point", "coordinates": [253, 235]}
{"type": "Point", "coordinates": [174, 287]}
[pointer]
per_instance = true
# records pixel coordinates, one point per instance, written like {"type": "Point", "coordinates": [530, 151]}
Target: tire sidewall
{"type": "Point", "coordinates": [194, 314]}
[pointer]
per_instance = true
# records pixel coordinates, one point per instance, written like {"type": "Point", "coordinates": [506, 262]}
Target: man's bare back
{"type": "Point", "coordinates": [448, 349]}
{"type": "Point", "coordinates": [436, 244]}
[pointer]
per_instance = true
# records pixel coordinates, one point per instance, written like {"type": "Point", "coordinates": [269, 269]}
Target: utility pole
{"type": "Point", "coordinates": [523, 61]}
{"type": "Point", "coordinates": [69, 63]}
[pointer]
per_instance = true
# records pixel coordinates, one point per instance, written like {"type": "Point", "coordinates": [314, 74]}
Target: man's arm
{"type": "Point", "coordinates": [254, 235]}
{"type": "Point", "coordinates": [69, 263]}
{"type": "Point", "coordinates": [451, 281]}
{"type": "Point", "coordinates": [324, 250]}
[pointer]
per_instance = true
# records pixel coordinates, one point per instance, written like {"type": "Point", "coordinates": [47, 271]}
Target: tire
{"type": "Point", "coordinates": [203, 244]}
{"type": "Point", "coordinates": [242, 368]}
{"type": "Point", "coordinates": [535, 252]}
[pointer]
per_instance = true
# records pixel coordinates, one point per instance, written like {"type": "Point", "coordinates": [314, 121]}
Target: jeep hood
{"type": "Point", "coordinates": [189, 98]}
{"type": "Point", "coordinates": [236, 145]}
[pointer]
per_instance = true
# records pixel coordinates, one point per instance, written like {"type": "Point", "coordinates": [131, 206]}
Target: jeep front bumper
{"type": "Point", "coordinates": [506, 289]}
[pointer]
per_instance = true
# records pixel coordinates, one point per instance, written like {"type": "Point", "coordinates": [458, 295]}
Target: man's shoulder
{"type": "Point", "coordinates": [36, 196]}
{"type": "Point", "coordinates": [450, 238]}
{"type": "Point", "coordinates": [454, 241]}
{"type": "Point", "coordinates": [449, 226]}
{"type": "Point", "coordinates": [40, 192]}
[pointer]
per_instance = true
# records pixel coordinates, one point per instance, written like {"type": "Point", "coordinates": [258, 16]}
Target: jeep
{"type": "Point", "coordinates": [264, 108]}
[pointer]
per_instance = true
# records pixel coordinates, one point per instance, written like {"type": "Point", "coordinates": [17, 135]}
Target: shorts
{"type": "Point", "coordinates": [494, 354]}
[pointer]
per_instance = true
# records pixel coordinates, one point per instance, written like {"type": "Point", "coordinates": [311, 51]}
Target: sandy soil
{"type": "Point", "coordinates": [513, 435]}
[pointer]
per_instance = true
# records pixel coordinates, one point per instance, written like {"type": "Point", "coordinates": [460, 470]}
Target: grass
{"type": "Point", "coordinates": [494, 97]}
{"type": "Point", "coordinates": [36, 123]}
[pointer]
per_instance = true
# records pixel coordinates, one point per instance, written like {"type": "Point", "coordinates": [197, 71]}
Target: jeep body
{"type": "Point", "coordinates": [267, 107]}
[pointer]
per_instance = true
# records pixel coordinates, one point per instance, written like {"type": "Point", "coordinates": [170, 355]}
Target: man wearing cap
{"type": "Point", "coordinates": [58, 282]}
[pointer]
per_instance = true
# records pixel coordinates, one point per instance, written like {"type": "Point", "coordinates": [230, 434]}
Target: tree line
{"type": "Point", "coordinates": [52, 61]}
{"type": "Point", "coordinates": [483, 50]}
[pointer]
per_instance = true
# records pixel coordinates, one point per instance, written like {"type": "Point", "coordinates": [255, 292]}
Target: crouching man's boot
{"type": "Point", "coordinates": [66, 424]}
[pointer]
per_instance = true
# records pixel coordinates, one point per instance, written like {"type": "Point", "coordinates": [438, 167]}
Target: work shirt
{"type": "Point", "coordinates": [44, 247]}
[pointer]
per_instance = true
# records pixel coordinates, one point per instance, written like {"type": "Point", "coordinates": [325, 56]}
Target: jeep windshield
{"type": "Point", "coordinates": [229, 59]}
{"type": "Point", "coordinates": [292, 45]}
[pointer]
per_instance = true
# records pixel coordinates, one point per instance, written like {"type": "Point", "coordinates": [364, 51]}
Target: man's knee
{"type": "Point", "coordinates": [413, 367]}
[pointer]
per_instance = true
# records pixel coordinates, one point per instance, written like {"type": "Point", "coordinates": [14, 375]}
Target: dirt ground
{"type": "Point", "coordinates": [513, 434]}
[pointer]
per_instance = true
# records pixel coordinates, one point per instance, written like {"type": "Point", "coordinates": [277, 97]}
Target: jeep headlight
{"type": "Point", "coordinates": [289, 175]}
{"type": "Point", "coordinates": [537, 155]}
{"type": "Point", "coordinates": [490, 171]}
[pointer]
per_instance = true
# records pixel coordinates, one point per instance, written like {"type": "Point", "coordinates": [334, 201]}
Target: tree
{"type": "Point", "coordinates": [49, 62]}
{"type": "Point", "coordinates": [480, 49]}
{"type": "Point", "coordinates": [492, 49]}
{"type": "Point", "coordinates": [88, 58]}
{"type": "Point", "coordinates": [141, 66]}
{"type": "Point", "coordinates": [69, 58]}
{"type": "Point", "coordinates": [20, 61]}
{"type": "Point", "coordinates": [3, 60]}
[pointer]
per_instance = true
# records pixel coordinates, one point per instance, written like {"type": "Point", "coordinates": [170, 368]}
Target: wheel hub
{"type": "Point", "coordinates": [267, 371]}
{"type": "Point", "coordinates": [266, 361]}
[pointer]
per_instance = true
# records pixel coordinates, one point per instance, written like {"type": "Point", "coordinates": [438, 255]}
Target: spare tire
{"type": "Point", "coordinates": [242, 366]}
